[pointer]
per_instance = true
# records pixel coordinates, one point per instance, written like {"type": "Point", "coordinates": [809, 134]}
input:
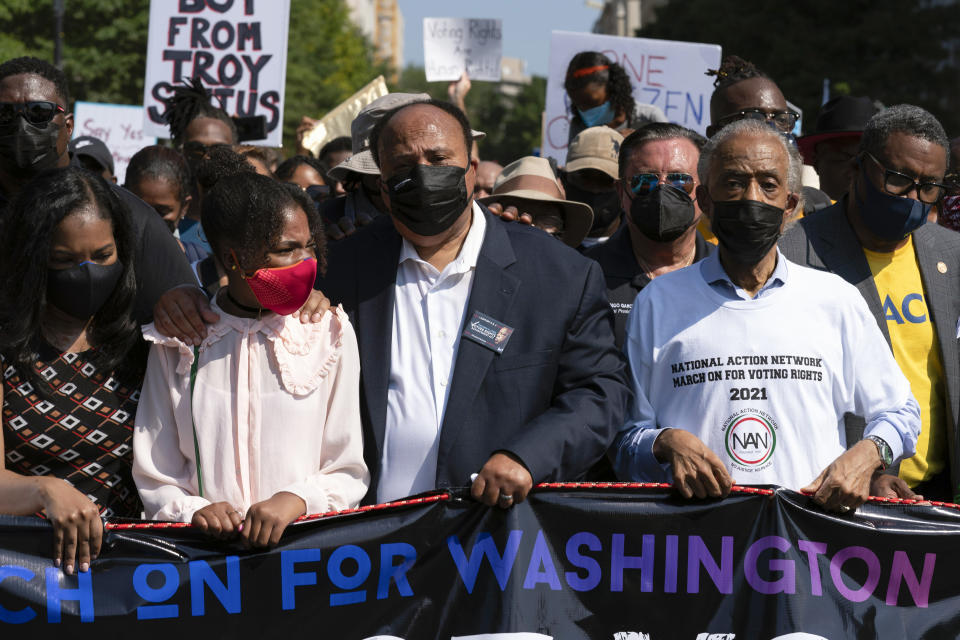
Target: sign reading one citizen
{"type": "Point", "coordinates": [667, 74]}
{"type": "Point", "coordinates": [238, 49]}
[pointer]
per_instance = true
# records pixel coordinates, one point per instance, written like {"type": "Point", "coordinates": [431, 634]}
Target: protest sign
{"type": "Point", "coordinates": [337, 122]}
{"type": "Point", "coordinates": [119, 126]}
{"type": "Point", "coordinates": [664, 73]}
{"type": "Point", "coordinates": [238, 49]}
{"type": "Point", "coordinates": [571, 563]}
{"type": "Point", "coordinates": [454, 45]}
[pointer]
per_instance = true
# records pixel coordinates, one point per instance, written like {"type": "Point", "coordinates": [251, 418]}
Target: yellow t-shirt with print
{"type": "Point", "coordinates": [915, 348]}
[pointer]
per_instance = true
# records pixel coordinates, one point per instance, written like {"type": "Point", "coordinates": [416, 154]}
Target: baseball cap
{"type": "Point", "coordinates": [93, 148]}
{"type": "Point", "coordinates": [595, 148]}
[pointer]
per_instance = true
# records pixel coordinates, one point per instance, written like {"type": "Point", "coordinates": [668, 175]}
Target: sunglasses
{"type": "Point", "coordinates": [643, 183]}
{"type": "Point", "coordinates": [900, 184]}
{"type": "Point", "coordinates": [784, 120]}
{"type": "Point", "coordinates": [34, 112]}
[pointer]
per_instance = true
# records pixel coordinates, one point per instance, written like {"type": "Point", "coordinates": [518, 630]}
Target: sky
{"type": "Point", "coordinates": [526, 24]}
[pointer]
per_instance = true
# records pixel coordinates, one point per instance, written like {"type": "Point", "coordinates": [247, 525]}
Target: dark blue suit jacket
{"type": "Point", "coordinates": [556, 395]}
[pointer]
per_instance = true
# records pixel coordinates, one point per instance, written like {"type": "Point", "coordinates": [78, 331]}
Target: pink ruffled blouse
{"type": "Point", "coordinates": [276, 406]}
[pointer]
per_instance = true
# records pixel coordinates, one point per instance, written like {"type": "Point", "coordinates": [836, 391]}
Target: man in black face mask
{"type": "Point", "coordinates": [487, 347]}
{"type": "Point", "coordinates": [745, 364]}
{"type": "Point", "coordinates": [590, 177]}
{"type": "Point", "coordinates": [877, 238]}
{"type": "Point", "coordinates": [657, 171]}
{"type": "Point", "coordinates": [35, 129]}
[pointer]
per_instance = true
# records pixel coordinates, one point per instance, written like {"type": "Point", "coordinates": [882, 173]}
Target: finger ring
{"type": "Point", "coordinates": [844, 508]}
{"type": "Point", "coordinates": [504, 497]}
{"type": "Point", "coordinates": [237, 511]}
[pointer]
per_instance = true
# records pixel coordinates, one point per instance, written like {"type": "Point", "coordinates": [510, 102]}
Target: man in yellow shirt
{"type": "Point", "coordinates": [877, 238]}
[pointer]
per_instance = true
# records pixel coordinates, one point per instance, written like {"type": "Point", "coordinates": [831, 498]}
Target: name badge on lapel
{"type": "Point", "coordinates": [488, 332]}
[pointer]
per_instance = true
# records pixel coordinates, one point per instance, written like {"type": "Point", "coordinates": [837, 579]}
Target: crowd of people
{"type": "Point", "coordinates": [234, 339]}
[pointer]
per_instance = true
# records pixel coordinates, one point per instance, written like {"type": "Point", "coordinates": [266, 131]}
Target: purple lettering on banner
{"type": "Point", "coordinates": [541, 557]}
{"type": "Point", "coordinates": [786, 583]}
{"type": "Point", "coordinates": [670, 572]}
{"type": "Point", "coordinates": [813, 549]}
{"type": "Point", "coordinates": [644, 562]}
{"type": "Point", "coordinates": [484, 546]}
{"type": "Point", "coordinates": [698, 555]}
{"type": "Point", "coordinates": [873, 572]}
{"type": "Point", "coordinates": [581, 561]}
{"type": "Point", "coordinates": [902, 571]}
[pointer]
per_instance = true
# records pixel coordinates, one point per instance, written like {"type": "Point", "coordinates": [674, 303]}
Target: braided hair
{"type": "Point", "coordinates": [190, 101]}
{"type": "Point", "coordinates": [589, 67]}
{"type": "Point", "coordinates": [733, 69]}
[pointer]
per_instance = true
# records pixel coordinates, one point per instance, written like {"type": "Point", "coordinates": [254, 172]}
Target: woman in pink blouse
{"type": "Point", "coordinates": [260, 424]}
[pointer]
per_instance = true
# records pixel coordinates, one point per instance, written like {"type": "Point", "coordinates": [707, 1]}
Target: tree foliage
{"type": "Point", "coordinates": [890, 50]}
{"type": "Point", "coordinates": [512, 123]}
{"type": "Point", "coordinates": [105, 47]}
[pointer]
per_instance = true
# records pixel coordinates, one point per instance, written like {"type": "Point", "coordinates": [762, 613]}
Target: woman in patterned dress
{"type": "Point", "coordinates": [72, 360]}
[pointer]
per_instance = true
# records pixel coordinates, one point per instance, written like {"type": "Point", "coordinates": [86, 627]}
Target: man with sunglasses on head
{"type": "Point", "coordinates": [657, 176]}
{"type": "Point", "coordinates": [877, 238]}
{"type": "Point", "coordinates": [35, 130]}
{"type": "Point", "coordinates": [744, 365]}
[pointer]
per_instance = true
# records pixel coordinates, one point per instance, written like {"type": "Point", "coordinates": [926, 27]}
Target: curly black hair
{"type": "Point", "coordinates": [619, 89]}
{"type": "Point", "coordinates": [42, 68]}
{"type": "Point", "coordinates": [244, 213]}
{"type": "Point", "coordinates": [733, 69]}
{"type": "Point", "coordinates": [289, 166]}
{"type": "Point", "coordinates": [190, 101]}
{"type": "Point", "coordinates": [159, 163]}
{"type": "Point", "coordinates": [343, 143]}
{"type": "Point", "coordinates": [221, 161]}
{"type": "Point", "coordinates": [29, 224]}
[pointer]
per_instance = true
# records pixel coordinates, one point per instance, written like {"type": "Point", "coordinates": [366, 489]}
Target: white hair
{"type": "Point", "coordinates": [752, 128]}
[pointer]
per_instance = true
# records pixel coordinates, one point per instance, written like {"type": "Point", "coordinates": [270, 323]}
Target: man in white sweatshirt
{"type": "Point", "coordinates": [744, 364]}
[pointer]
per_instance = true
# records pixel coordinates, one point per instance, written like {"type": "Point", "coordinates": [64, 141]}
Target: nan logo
{"type": "Point", "coordinates": [750, 438]}
{"type": "Point", "coordinates": [631, 635]}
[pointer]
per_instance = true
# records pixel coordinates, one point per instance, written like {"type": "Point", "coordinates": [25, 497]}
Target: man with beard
{"type": "Point", "coordinates": [487, 347]}
{"type": "Point", "coordinates": [657, 171]}
{"type": "Point", "coordinates": [746, 375]}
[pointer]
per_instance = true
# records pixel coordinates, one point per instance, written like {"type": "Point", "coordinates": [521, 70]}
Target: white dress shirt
{"type": "Point", "coordinates": [428, 316]}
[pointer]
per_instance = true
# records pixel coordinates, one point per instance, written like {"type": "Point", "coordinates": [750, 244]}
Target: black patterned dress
{"type": "Point", "coordinates": [79, 430]}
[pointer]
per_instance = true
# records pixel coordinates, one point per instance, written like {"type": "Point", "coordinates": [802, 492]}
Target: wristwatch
{"type": "Point", "coordinates": [886, 453]}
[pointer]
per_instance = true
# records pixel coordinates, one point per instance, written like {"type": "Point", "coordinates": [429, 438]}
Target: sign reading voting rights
{"type": "Point", "coordinates": [667, 74]}
{"type": "Point", "coordinates": [238, 49]}
{"type": "Point", "coordinates": [454, 45]}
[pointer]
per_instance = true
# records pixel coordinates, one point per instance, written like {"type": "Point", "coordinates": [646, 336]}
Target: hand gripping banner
{"type": "Point", "coordinates": [605, 561]}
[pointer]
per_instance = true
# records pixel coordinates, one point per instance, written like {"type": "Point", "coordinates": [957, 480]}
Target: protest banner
{"type": "Point", "coordinates": [571, 563]}
{"type": "Point", "coordinates": [667, 74]}
{"type": "Point", "coordinates": [119, 126]}
{"type": "Point", "coordinates": [238, 48]}
{"type": "Point", "coordinates": [336, 123]}
{"type": "Point", "coordinates": [454, 45]}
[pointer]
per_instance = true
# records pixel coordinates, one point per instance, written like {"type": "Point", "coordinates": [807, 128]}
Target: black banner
{"type": "Point", "coordinates": [611, 564]}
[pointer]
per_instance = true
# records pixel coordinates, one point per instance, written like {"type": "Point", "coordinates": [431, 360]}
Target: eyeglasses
{"type": "Point", "coordinates": [34, 112]}
{"type": "Point", "coordinates": [643, 183]}
{"type": "Point", "coordinates": [784, 120]}
{"type": "Point", "coordinates": [900, 184]}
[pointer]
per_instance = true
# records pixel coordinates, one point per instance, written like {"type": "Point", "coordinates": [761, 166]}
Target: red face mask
{"type": "Point", "coordinates": [283, 290]}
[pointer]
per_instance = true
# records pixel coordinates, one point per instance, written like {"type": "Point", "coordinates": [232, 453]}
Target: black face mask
{"type": "Point", "coordinates": [746, 229]}
{"type": "Point", "coordinates": [605, 204]}
{"type": "Point", "coordinates": [664, 214]}
{"type": "Point", "coordinates": [428, 199]}
{"type": "Point", "coordinates": [27, 149]}
{"type": "Point", "coordinates": [81, 290]}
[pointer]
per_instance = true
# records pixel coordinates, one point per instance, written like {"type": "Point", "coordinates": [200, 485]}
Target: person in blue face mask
{"type": "Point", "coordinates": [600, 94]}
{"type": "Point", "coordinates": [878, 239]}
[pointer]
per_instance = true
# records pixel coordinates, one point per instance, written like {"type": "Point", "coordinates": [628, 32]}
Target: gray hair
{"type": "Point", "coordinates": [655, 131]}
{"type": "Point", "coordinates": [753, 127]}
{"type": "Point", "coordinates": [904, 118]}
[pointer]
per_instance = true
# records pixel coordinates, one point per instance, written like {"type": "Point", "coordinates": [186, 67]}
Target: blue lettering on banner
{"type": "Point", "coordinates": [83, 594]}
{"type": "Point", "coordinates": [343, 581]}
{"type": "Point", "coordinates": [580, 561]}
{"type": "Point", "coordinates": [484, 546]}
{"type": "Point", "coordinates": [541, 557]}
{"type": "Point", "coordinates": [22, 615]}
{"type": "Point", "coordinates": [398, 573]}
{"type": "Point", "coordinates": [228, 594]}
{"type": "Point", "coordinates": [290, 579]}
{"type": "Point", "coordinates": [171, 581]}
